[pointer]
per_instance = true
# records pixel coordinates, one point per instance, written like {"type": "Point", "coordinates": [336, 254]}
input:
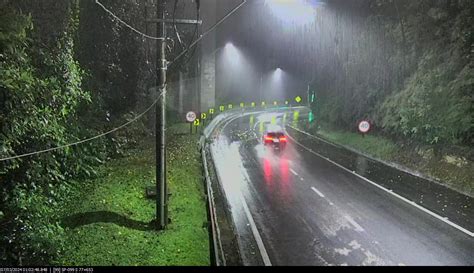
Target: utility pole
{"type": "Point", "coordinates": [160, 122]}
{"type": "Point", "coordinates": [161, 187]}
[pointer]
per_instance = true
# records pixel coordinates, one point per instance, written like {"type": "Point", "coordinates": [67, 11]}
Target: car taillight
{"type": "Point", "coordinates": [268, 138]}
{"type": "Point", "coordinates": [283, 139]}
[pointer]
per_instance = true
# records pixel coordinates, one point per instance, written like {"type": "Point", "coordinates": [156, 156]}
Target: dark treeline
{"type": "Point", "coordinates": [405, 65]}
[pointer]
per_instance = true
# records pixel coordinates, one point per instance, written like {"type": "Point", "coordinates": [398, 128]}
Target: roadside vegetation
{"type": "Point", "coordinates": [68, 72]}
{"type": "Point", "coordinates": [108, 220]}
{"type": "Point", "coordinates": [407, 67]}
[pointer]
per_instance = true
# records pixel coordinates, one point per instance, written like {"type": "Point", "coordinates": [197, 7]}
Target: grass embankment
{"type": "Point", "coordinates": [453, 169]}
{"type": "Point", "coordinates": [108, 223]}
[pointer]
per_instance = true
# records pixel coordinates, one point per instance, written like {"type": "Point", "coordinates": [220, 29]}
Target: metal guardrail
{"type": "Point", "coordinates": [217, 253]}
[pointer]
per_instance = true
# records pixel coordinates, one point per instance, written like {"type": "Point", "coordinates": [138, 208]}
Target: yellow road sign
{"type": "Point", "coordinates": [211, 111]}
{"type": "Point", "coordinates": [298, 99]}
{"type": "Point", "coordinates": [253, 104]}
{"type": "Point", "coordinates": [242, 104]}
{"type": "Point", "coordinates": [197, 122]}
{"type": "Point", "coordinates": [263, 103]}
{"type": "Point", "coordinates": [229, 106]}
{"type": "Point", "coordinates": [275, 103]}
{"type": "Point", "coordinates": [222, 108]}
{"type": "Point", "coordinates": [203, 116]}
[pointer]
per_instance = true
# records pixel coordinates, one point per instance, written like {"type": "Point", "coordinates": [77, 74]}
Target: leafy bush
{"type": "Point", "coordinates": [40, 90]}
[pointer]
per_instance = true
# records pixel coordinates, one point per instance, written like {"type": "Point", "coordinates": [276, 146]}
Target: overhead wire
{"type": "Point", "coordinates": [137, 117]}
{"type": "Point", "coordinates": [126, 24]}
{"type": "Point", "coordinates": [152, 105]}
{"type": "Point", "coordinates": [208, 31]}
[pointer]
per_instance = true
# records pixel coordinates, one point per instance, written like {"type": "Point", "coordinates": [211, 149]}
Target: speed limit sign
{"type": "Point", "coordinates": [364, 126]}
{"type": "Point", "coordinates": [190, 116]}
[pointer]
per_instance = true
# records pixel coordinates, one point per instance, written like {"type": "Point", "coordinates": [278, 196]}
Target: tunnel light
{"type": "Point", "coordinates": [295, 11]}
{"type": "Point", "coordinates": [278, 72]}
{"type": "Point", "coordinates": [231, 53]}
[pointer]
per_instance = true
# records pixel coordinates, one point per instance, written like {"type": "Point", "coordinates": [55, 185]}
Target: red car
{"type": "Point", "coordinates": [277, 140]}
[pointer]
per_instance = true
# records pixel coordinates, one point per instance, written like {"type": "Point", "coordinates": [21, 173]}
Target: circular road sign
{"type": "Point", "coordinates": [190, 116]}
{"type": "Point", "coordinates": [364, 126]}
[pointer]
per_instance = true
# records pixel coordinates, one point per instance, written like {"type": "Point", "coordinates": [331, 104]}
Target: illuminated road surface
{"type": "Point", "coordinates": [296, 208]}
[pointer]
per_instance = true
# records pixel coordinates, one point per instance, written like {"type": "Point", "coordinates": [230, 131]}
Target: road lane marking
{"type": "Point", "coordinates": [293, 172]}
{"type": "Point", "coordinates": [439, 217]}
{"type": "Point", "coordinates": [256, 234]}
{"type": "Point", "coordinates": [354, 223]}
{"type": "Point", "coordinates": [318, 192]}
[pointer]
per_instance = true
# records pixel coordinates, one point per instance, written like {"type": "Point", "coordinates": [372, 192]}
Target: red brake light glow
{"type": "Point", "coordinates": [268, 138]}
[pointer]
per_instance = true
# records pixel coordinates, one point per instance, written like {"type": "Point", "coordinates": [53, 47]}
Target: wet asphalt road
{"type": "Point", "coordinates": [296, 208]}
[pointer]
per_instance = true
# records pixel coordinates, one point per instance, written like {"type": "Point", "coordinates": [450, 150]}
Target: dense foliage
{"type": "Point", "coordinates": [68, 71]}
{"type": "Point", "coordinates": [41, 91]}
{"type": "Point", "coordinates": [405, 65]}
{"type": "Point", "coordinates": [45, 102]}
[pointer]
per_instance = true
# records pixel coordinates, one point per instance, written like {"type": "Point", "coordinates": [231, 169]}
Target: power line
{"type": "Point", "coordinates": [160, 38]}
{"type": "Point", "coordinates": [208, 31]}
{"type": "Point", "coordinates": [137, 117]}
{"type": "Point", "coordinates": [125, 24]}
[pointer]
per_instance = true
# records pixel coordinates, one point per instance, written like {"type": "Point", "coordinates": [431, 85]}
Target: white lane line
{"type": "Point", "coordinates": [318, 192]}
{"type": "Point", "coordinates": [437, 216]}
{"type": "Point", "coordinates": [293, 172]}
{"type": "Point", "coordinates": [354, 223]}
{"type": "Point", "coordinates": [256, 234]}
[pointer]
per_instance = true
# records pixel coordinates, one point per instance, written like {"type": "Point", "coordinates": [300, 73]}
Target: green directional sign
{"type": "Point", "coordinates": [298, 99]}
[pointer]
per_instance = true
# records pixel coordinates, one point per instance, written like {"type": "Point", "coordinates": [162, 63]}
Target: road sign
{"type": "Point", "coordinates": [197, 122]}
{"type": "Point", "coordinates": [203, 115]}
{"type": "Point", "coordinates": [298, 99]}
{"type": "Point", "coordinates": [364, 126]}
{"type": "Point", "coordinates": [275, 103]}
{"type": "Point", "coordinates": [253, 104]}
{"type": "Point", "coordinates": [222, 108]}
{"type": "Point", "coordinates": [190, 116]}
{"type": "Point", "coordinates": [286, 102]}
{"type": "Point", "coordinates": [211, 111]}
{"type": "Point", "coordinates": [263, 103]}
{"type": "Point", "coordinates": [230, 106]}
{"type": "Point", "coordinates": [242, 105]}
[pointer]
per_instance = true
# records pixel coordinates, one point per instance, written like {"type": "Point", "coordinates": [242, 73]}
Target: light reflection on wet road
{"type": "Point", "coordinates": [295, 208]}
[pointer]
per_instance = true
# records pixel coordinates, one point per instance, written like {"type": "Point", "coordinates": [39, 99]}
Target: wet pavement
{"type": "Point", "coordinates": [296, 208]}
{"type": "Point", "coordinates": [446, 202]}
